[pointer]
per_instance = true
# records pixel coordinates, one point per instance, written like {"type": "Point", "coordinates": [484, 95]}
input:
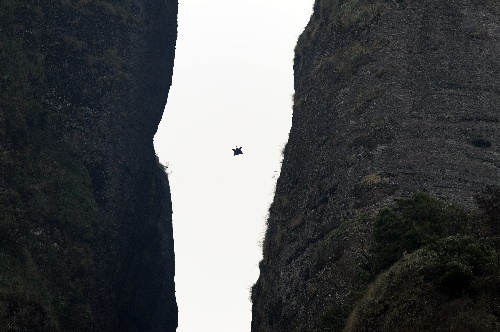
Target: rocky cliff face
{"type": "Point", "coordinates": [86, 235]}
{"type": "Point", "coordinates": [391, 98]}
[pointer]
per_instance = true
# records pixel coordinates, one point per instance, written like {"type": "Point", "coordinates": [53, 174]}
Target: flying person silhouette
{"type": "Point", "coordinates": [237, 151]}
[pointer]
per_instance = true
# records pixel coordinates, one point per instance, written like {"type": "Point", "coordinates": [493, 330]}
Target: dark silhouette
{"type": "Point", "coordinates": [237, 151]}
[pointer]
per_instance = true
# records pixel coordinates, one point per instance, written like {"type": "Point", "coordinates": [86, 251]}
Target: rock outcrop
{"type": "Point", "coordinates": [86, 219]}
{"type": "Point", "coordinates": [391, 98]}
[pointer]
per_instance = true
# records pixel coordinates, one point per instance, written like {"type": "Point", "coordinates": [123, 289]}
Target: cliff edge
{"type": "Point", "coordinates": [379, 217]}
{"type": "Point", "coordinates": [85, 212]}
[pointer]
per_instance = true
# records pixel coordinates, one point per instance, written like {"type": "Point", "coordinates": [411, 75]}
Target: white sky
{"type": "Point", "coordinates": [232, 85]}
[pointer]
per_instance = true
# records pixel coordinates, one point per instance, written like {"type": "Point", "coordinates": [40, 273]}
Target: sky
{"type": "Point", "coordinates": [232, 86]}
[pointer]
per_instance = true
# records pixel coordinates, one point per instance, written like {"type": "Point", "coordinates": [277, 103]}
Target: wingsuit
{"type": "Point", "coordinates": [237, 151]}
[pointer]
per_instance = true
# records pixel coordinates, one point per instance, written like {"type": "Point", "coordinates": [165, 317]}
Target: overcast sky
{"type": "Point", "coordinates": [232, 86]}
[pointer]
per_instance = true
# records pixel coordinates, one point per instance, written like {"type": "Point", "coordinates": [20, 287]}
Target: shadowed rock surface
{"type": "Point", "coordinates": [391, 98]}
{"type": "Point", "coordinates": [86, 220]}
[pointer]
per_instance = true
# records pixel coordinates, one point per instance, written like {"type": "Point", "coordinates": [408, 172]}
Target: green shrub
{"type": "Point", "coordinates": [414, 223]}
{"type": "Point", "coordinates": [449, 285]}
{"type": "Point", "coordinates": [333, 318]}
{"type": "Point", "coordinates": [459, 260]}
{"type": "Point", "coordinates": [432, 265]}
{"type": "Point", "coordinates": [489, 202]}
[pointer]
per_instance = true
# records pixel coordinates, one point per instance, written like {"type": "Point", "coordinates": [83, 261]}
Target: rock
{"type": "Point", "coordinates": [83, 88]}
{"type": "Point", "coordinates": [391, 98]}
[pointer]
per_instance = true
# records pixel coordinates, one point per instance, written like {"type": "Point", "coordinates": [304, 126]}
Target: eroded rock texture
{"type": "Point", "coordinates": [86, 234]}
{"type": "Point", "coordinates": [391, 98]}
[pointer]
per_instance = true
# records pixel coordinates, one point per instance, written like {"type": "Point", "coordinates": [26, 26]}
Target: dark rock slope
{"type": "Point", "coordinates": [85, 213]}
{"type": "Point", "coordinates": [391, 98]}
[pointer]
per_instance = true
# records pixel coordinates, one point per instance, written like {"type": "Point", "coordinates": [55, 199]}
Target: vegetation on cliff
{"type": "Point", "coordinates": [436, 267]}
{"type": "Point", "coordinates": [62, 243]}
{"type": "Point", "coordinates": [47, 208]}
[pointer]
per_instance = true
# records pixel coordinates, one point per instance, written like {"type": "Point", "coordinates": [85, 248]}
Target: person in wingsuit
{"type": "Point", "coordinates": [237, 151]}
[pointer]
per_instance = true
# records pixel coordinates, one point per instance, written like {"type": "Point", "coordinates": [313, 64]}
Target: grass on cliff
{"type": "Point", "coordinates": [347, 13]}
{"type": "Point", "coordinates": [340, 15]}
{"type": "Point", "coordinates": [339, 62]}
{"type": "Point", "coordinates": [47, 208]}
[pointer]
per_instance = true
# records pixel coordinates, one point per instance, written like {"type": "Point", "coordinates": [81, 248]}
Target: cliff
{"type": "Point", "coordinates": [384, 215]}
{"type": "Point", "coordinates": [85, 213]}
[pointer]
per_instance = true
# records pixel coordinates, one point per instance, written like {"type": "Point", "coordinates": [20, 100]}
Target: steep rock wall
{"type": "Point", "coordinates": [391, 97]}
{"type": "Point", "coordinates": [87, 239]}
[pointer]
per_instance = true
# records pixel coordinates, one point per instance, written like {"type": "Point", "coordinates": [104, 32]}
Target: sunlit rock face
{"type": "Point", "coordinates": [86, 217]}
{"type": "Point", "coordinates": [391, 98]}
